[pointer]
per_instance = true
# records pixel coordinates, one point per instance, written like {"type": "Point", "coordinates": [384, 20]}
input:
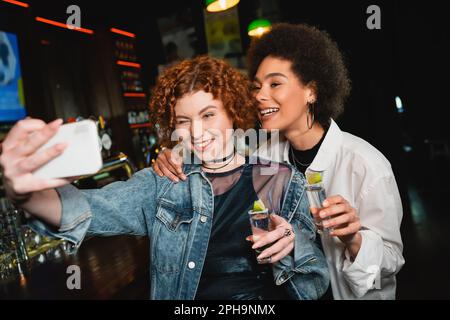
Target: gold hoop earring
{"type": "Point", "coordinates": [310, 111]}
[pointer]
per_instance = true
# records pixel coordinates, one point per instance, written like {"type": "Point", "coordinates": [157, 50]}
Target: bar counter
{"type": "Point", "coordinates": [111, 268]}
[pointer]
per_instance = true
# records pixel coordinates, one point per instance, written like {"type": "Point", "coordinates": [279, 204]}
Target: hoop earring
{"type": "Point", "coordinates": [259, 124]}
{"type": "Point", "coordinates": [310, 111]}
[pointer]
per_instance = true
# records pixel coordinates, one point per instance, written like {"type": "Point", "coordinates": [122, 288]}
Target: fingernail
{"type": "Point", "coordinates": [323, 214]}
{"type": "Point", "coordinates": [60, 147]}
{"type": "Point", "coordinates": [325, 224]}
{"type": "Point", "coordinates": [325, 203]}
{"type": "Point", "coordinates": [255, 246]}
{"type": "Point", "coordinates": [255, 238]}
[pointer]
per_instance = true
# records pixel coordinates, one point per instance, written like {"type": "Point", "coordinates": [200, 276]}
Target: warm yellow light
{"type": "Point", "coordinates": [220, 5]}
{"type": "Point", "coordinates": [258, 32]}
{"type": "Point", "coordinates": [258, 27]}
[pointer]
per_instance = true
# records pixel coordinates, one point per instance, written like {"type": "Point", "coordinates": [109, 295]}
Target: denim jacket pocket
{"type": "Point", "coordinates": [170, 238]}
{"type": "Point", "coordinates": [172, 216]}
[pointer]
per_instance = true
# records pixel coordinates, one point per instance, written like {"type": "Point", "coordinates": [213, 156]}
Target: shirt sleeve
{"type": "Point", "coordinates": [117, 208]}
{"type": "Point", "coordinates": [380, 255]}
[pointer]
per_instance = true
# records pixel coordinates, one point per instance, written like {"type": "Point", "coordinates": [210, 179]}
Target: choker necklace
{"type": "Point", "coordinates": [221, 160]}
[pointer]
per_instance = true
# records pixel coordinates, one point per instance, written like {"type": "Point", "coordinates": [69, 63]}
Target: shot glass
{"type": "Point", "coordinates": [260, 224]}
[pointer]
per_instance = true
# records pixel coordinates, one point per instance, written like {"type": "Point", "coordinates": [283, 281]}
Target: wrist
{"type": "Point", "coordinates": [18, 200]}
{"type": "Point", "coordinates": [353, 245]}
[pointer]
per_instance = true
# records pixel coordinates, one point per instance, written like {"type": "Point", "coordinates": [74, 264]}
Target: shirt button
{"type": "Point", "coordinates": [191, 265]}
{"type": "Point", "coordinates": [203, 219]}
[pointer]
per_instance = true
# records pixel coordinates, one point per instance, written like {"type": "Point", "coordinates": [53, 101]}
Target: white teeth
{"type": "Point", "coordinates": [266, 112]}
{"type": "Point", "coordinates": [202, 144]}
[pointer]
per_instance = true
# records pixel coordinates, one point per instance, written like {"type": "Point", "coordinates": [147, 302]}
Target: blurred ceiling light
{"type": "Point", "coordinates": [63, 25]}
{"type": "Point", "coordinates": [399, 105]}
{"type": "Point", "coordinates": [258, 27]}
{"type": "Point", "coordinates": [122, 32]}
{"type": "Point", "coordinates": [220, 5]}
{"type": "Point", "coordinates": [18, 3]}
{"type": "Point", "coordinates": [128, 64]}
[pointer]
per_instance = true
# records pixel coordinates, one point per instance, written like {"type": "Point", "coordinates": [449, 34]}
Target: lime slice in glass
{"type": "Point", "coordinates": [258, 205]}
{"type": "Point", "coordinates": [313, 177]}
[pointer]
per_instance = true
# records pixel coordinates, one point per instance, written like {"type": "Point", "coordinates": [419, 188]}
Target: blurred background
{"type": "Point", "coordinates": [106, 70]}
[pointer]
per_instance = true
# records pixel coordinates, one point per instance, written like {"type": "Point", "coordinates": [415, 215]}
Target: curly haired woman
{"type": "Point", "coordinates": [198, 229]}
{"type": "Point", "coordinates": [301, 82]}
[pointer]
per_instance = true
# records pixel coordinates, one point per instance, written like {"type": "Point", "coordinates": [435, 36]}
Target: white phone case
{"type": "Point", "coordinates": [82, 156]}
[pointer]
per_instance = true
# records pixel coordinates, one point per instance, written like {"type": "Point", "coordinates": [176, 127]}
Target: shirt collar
{"type": "Point", "coordinates": [328, 150]}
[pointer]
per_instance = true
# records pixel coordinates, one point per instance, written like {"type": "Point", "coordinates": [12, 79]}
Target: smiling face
{"type": "Point", "coordinates": [204, 125]}
{"type": "Point", "coordinates": [282, 97]}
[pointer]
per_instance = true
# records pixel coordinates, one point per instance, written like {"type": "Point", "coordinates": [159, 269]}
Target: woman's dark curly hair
{"type": "Point", "coordinates": [210, 75]}
{"type": "Point", "coordinates": [315, 59]}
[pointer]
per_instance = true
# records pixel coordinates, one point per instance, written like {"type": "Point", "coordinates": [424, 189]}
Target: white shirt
{"type": "Point", "coordinates": [358, 172]}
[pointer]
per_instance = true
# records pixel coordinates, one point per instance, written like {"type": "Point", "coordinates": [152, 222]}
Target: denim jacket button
{"type": "Point", "coordinates": [203, 219]}
{"type": "Point", "coordinates": [191, 265]}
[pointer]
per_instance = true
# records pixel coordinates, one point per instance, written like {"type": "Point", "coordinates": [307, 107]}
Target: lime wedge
{"type": "Point", "coordinates": [313, 177]}
{"type": "Point", "coordinates": [258, 205]}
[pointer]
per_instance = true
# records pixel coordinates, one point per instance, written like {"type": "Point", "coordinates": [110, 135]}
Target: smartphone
{"type": "Point", "coordinates": [82, 155]}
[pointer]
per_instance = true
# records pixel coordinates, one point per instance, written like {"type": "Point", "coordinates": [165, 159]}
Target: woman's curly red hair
{"type": "Point", "coordinates": [207, 74]}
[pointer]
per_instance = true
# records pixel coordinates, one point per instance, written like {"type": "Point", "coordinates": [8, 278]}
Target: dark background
{"type": "Point", "coordinates": [408, 57]}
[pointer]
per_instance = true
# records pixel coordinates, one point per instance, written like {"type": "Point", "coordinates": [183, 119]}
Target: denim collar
{"type": "Point", "coordinates": [192, 168]}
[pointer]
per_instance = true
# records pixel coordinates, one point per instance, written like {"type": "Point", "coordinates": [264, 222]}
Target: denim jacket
{"type": "Point", "coordinates": [178, 219]}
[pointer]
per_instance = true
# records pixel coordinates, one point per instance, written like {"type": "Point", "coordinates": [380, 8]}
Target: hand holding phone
{"type": "Point", "coordinates": [82, 155]}
{"type": "Point", "coordinates": [34, 151]}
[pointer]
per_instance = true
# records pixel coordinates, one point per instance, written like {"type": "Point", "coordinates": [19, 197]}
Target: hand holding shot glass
{"type": "Point", "coordinates": [272, 236]}
{"type": "Point", "coordinates": [332, 214]}
{"type": "Point", "coordinates": [259, 222]}
{"type": "Point", "coordinates": [315, 191]}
